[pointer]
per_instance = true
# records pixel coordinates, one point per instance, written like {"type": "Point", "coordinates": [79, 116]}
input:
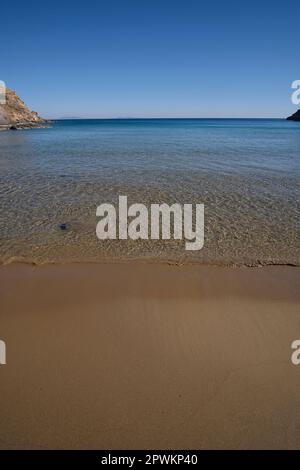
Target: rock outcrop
{"type": "Point", "coordinates": [295, 116]}
{"type": "Point", "coordinates": [14, 114]}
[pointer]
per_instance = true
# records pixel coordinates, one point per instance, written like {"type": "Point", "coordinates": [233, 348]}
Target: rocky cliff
{"type": "Point", "coordinates": [295, 116]}
{"type": "Point", "coordinates": [14, 114]}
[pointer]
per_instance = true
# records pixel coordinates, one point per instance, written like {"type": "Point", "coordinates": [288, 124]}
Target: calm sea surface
{"type": "Point", "coordinates": [246, 172]}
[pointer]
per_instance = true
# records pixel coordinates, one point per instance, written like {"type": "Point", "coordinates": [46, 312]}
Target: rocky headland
{"type": "Point", "coordinates": [15, 115]}
{"type": "Point", "coordinates": [295, 116]}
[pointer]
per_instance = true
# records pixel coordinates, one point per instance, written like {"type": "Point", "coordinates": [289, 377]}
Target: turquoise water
{"type": "Point", "coordinates": [246, 172]}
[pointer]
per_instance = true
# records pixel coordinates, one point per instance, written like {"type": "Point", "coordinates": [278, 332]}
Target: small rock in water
{"type": "Point", "coordinates": [63, 226]}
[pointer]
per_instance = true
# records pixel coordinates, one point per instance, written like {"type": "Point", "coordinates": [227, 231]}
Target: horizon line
{"type": "Point", "coordinates": [156, 118]}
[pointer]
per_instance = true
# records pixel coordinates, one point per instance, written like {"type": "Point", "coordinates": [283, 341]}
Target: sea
{"type": "Point", "coordinates": [246, 172]}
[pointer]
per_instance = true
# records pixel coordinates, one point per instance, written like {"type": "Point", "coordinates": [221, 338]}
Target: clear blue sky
{"type": "Point", "coordinates": [128, 58]}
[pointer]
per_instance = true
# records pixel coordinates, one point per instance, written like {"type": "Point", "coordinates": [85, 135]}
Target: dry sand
{"type": "Point", "coordinates": [149, 356]}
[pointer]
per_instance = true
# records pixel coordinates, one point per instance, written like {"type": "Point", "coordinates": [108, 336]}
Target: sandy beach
{"type": "Point", "coordinates": [149, 356]}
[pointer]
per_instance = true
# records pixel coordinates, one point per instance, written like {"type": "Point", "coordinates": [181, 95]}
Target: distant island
{"type": "Point", "coordinates": [295, 116]}
{"type": "Point", "coordinates": [15, 115]}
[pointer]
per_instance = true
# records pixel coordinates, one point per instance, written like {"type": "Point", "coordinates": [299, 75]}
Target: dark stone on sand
{"type": "Point", "coordinates": [295, 116]}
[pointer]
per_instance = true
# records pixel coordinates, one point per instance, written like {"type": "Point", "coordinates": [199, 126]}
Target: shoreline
{"type": "Point", "coordinates": [120, 356]}
{"type": "Point", "coordinates": [148, 261]}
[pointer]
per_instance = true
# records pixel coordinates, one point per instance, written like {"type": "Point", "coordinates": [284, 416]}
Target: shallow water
{"type": "Point", "coordinates": [246, 172]}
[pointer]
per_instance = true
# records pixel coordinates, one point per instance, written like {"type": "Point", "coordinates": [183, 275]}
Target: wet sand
{"type": "Point", "coordinates": [149, 356]}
